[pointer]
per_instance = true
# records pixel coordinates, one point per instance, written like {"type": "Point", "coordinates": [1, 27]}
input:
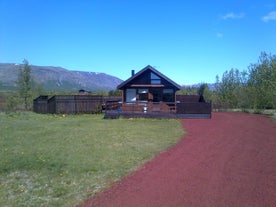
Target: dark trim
{"type": "Point", "coordinates": [123, 84]}
{"type": "Point", "coordinates": [147, 85]}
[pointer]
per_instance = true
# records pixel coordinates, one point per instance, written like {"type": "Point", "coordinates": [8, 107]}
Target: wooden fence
{"type": "Point", "coordinates": [89, 104]}
{"type": "Point", "coordinates": [74, 104]}
{"type": "Point", "coordinates": [41, 105]}
{"type": "Point", "coordinates": [194, 108]}
{"type": "Point", "coordinates": [71, 104]}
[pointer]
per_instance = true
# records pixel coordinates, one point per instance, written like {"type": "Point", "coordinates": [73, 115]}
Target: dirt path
{"type": "Point", "coordinates": [229, 160]}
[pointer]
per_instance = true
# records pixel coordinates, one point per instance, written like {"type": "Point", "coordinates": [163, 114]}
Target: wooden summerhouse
{"type": "Point", "coordinates": [149, 91]}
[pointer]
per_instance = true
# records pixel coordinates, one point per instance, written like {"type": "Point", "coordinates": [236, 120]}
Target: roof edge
{"type": "Point", "coordinates": [148, 67]}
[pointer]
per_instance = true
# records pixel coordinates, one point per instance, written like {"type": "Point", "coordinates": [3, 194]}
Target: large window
{"type": "Point", "coordinates": [156, 94]}
{"type": "Point", "coordinates": [168, 95]}
{"type": "Point", "coordinates": [143, 94]}
{"type": "Point", "coordinates": [130, 95]}
{"type": "Point", "coordinates": [154, 79]}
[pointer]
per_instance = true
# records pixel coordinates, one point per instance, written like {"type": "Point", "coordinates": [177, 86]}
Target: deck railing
{"type": "Point", "coordinates": [159, 110]}
{"type": "Point", "coordinates": [141, 106]}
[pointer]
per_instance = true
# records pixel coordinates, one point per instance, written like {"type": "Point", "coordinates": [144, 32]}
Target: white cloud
{"type": "Point", "coordinates": [270, 16]}
{"type": "Point", "coordinates": [232, 15]}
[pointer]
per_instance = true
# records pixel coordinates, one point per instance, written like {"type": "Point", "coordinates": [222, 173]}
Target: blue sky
{"type": "Point", "coordinates": [189, 41]}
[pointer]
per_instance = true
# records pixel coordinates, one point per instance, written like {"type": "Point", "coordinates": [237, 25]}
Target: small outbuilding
{"type": "Point", "coordinates": [41, 104]}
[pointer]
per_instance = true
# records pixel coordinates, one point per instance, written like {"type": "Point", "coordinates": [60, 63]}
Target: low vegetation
{"type": "Point", "coordinates": [61, 160]}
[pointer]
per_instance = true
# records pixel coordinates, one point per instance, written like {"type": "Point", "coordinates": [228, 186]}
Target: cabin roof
{"type": "Point", "coordinates": [123, 84]}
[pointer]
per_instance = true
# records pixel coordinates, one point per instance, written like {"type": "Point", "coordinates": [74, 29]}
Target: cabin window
{"type": "Point", "coordinates": [155, 79]}
{"type": "Point", "coordinates": [168, 95]}
{"type": "Point", "coordinates": [143, 94]}
{"type": "Point", "coordinates": [130, 95]}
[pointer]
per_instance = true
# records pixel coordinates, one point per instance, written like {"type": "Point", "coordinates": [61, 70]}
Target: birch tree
{"type": "Point", "coordinates": [24, 84]}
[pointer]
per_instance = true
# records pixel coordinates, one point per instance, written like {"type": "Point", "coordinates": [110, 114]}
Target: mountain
{"type": "Point", "coordinates": [59, 79]}
{"type": "Point", "coordinates": [211, 86]}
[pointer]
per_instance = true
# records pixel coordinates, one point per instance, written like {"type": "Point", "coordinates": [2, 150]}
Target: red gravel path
{"type": "Point", "coordinates": [229, 160]}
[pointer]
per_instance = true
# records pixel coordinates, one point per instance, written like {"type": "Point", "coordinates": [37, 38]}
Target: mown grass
{"type": "Point", "coordinates": [61, 160]}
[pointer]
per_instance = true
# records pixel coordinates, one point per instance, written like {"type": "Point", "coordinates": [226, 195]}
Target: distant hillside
{"type": "Point", "coordinates": [211, 86]}
{"type": "Point", "coordinates": [59, 79]}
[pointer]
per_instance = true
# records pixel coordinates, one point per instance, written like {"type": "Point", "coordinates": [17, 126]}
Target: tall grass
{"type": "Point", "coordinates": [61, 160]}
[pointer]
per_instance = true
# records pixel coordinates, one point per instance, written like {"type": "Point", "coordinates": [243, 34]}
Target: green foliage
{"type": "Point", "coordinates": [101, 93]}
{"type": "Point", "coordinates": [27, 90]}
{"type": "Point", "coordinates": [205, 91]}
{"type": "Point", "coordinates": [188, 90]}
{"type": "Point", "coordinates": [12, 103]}
{"type": "Point", "coordinates": [255, 88]}
{"type": "Point", "coordinates": [230, 88]}
{"type": "Point", "coordinates": [61, 160]}
{"type": "Point", "coordinates": [115, 93]}
{"type": "Point", "coordinates": [201, 89]}
{"type": "Point", "coordinates": [262, 82]}
{"type": "Point", "coordinates": [24, 84]}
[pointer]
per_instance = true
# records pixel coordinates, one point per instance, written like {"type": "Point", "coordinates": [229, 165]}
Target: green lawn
{"type": "Point", "coordinates": [61, 160]}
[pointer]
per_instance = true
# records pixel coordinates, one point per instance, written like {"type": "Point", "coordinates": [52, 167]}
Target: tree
{"type": "Point", "coordinates": [202, 89]}
{"type": "Point", "coordinates": [226, 88]}
{"type": "Point", "coordinates": [231, 89]}
{"type": "Point", "coordinates": [24, 84]}
{"type": "Point", "coordinates": [262, 82]}
{"type": "Point", "coordinates": [188, 90]}
{"type": "Point", "coordinates": [254, 88]}
{"type": "Point", "coordinates": [205, 91]}
{"type": "Point", "coordinates": [115, 93]}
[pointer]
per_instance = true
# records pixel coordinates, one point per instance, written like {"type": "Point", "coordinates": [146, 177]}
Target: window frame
{"type": "Point", "coordinates": [168, 95]}
{"type": "Point", "coordinates": [154, 79]}
{"type": "Point", "coordinates": [143, 94]}
{"type": "Point", "coordinates": [131, 95]}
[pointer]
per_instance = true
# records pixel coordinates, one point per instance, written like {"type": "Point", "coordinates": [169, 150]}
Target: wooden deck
{"type": "Point", "coordinates": [149, 107]}
{"type": "Point", "coordinates": [157, 110]}
{"type": "Point", "coordinates": [115, 114]}
{"type": "Point", "coordinates": [135, 114]}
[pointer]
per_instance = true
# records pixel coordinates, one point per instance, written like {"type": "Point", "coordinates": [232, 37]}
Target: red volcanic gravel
{"type": "Point", "coordinates": [229, 160]}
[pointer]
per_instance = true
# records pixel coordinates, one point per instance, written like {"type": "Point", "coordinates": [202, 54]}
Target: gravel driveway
{"type": "Point", "coordinates": [229, 160]}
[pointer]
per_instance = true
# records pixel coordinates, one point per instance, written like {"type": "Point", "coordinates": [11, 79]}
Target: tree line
{"type": "Point", "coordinates": [254, 88]}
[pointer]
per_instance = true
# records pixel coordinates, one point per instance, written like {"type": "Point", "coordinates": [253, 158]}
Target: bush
{"type": "Point", "coordinates": [12, 104]}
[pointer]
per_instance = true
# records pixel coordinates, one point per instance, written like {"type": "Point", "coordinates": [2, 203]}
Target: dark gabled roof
{"type": "Point", "coordinates": [144, 70]}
